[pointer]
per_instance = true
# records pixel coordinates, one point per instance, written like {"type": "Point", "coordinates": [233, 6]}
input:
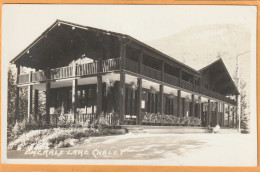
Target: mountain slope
{"type": "Point", "coordinates": [201, 45]}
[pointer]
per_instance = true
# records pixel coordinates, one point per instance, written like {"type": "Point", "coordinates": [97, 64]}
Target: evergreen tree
{"type": "Point", "coordinates": [11, 97]}
{"type": "Point", "coordinates": [244, 115]}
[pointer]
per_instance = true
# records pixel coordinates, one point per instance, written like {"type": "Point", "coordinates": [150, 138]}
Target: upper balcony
{"type": "Point", "coordinates": [112, 65]}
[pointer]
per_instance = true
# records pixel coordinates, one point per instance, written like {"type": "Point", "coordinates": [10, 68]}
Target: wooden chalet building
{"type": "Point", "coordinates": [88, 72]}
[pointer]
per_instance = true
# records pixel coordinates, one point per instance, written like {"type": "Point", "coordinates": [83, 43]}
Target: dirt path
{"type": "Point", "coordinates": [175, 149]}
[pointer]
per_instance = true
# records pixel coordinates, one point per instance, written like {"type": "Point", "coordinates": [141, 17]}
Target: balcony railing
{"type": "Point", "coordinates": [23, 79]}
{"type": "Point", "coordinates": [171, 79]}
{"type": "Point", "coordinates": [110, 65]}
{"type": "Point", "coordinates": [61, 73]}
{"type": "Point", "coordinates": [87, 69]}
{"type": "Point", "coordinates": [114, 64]}
{"type": "Point", "coordinates": [131, 66]}
{"type": "Point", "coordinates": [38, 76]}
{"type": "Point", "coordinates": [151, 72]}
{"type": "Point", "coordinates": [186, 85]}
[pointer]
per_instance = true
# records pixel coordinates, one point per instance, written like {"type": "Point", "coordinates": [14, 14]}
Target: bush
{"type": "Point", "coordinates": [47, 138]}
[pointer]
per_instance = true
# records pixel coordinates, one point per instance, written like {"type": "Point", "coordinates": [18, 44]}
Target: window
{"type": "Point", "coordinates": [207, 86]}
{"type": "Point", "coordinates": [90, 93]}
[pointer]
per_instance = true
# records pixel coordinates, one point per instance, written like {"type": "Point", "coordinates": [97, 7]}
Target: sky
{"type": "Point", "coordinates": [23, 23]}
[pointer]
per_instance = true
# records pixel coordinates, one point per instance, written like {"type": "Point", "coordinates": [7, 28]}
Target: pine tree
{"type": "Point", "coordinates": [11, 97]}
{"type": "Point", "coordinates": [244, 115]}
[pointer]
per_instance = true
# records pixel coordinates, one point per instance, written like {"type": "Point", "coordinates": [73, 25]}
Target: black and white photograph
{"type": "Point", "coordinates": [171, 85]}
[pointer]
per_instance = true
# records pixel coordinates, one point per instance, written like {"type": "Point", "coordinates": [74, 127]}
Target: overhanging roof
{"type": "Point", "coordinates": [221, 77]}
{"type": "Point", "coordinates": [21, 56]}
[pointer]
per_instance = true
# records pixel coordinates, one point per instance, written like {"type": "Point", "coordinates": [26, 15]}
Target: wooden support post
{"type": "Point", "coordinates": [223, 115]}
{"type": "Point", "coordinates": [179, 103]}
{"type": "Point", "coordinates": [122, 96]}
{"type": "Point", "coordinates": [192, 105]}
{"type": "Point", "coordinates": [233, 117]}
{"type": "Point", "coordinates": [217, 116]}
{"type": "Point", "coordinates": [228, 116]}
{"type": "Point", "coordinates": [29, 105]}
{"type": "Point", "coordinates": [36, 100]}
{"type": "Point", "coordinates": [17, 98]}
{"type": "Point", "coordinates": [209, 113]}
{"type": "Point", "coordinates": [29, 99]}
{"type": "Point", "coordinates": [140, 62]}
{"type": "Point", "coordinates": [75, 100]}
{"type": "Point", "coordinates": [199, 107]}
{"type": "Point", "coordinates": [99, 95]}
{"type": "Point", "coordinates": [161, 99]}
{"type": "Point", "coordinates": [139, 101]}
{"type": "Point", "coordinates": [47, 104]}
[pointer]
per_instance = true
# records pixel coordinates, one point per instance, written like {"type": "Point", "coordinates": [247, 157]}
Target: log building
{"type": "Point", "coordinates": [87, 72]}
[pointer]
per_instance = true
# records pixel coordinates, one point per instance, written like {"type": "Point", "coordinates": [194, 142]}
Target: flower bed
{"type": "Point", "coordinates": [56, 137]}
{"type": "Point", "coordinates": [162, 119]}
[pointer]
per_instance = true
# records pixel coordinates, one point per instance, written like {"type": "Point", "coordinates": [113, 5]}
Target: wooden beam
{"type": "Point", "coordinates": [99, 95]}
{"type": "Point", "coordinates": [223, 115]}
{"type": "Point", "coordinates": [161, 99]}
{"type": "Point", "coordinates": [17, 98]}
{"type": "Point", "coordinates": [199, 106]}
{"type": "Point", "coordinates": [192, 105]}
{"type": "Point", "coordinates": [233, 115]}
{"type": "Point", "coordinates": [36, 101]}
{"type": "Point", "coordinates": [47, 104]}
{"type": "Point", "coordinates": [208, 122]}
{"type": "Point", "coordinates": [139, 101]}
{"type": "Point", "coordinates": [179, 103]}
{"type": "Point", "coordinates": [122, 96]}
{"type": "Point", "coordinates": [75, 100]}
{"type": "Point", "coordinates": [228, 115]}
{"type": "Point", "coordinates": [217, 115]}
{"type": "Point", "coordinates": [29, 100]}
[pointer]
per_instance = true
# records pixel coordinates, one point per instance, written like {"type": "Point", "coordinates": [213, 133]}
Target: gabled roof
{"type": "Point", "coordinates": [58, 22]}
{"type": "Point", "coordinates": [218, 68]}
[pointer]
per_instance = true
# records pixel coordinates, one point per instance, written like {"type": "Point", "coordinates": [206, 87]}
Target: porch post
{"type": "Point", "coordinates": [36, 98]}
{"type": "Point", "coordinates": [233, 115]}
{"type": "Point", "coordinates": [223, 115]}
{"type": "Point", "coordinates": [199, 107]}
{"type": "Point", "coordinates": [161, 99]}
{"type": "Point", "coordinates": [29, 105]}
{"type": "Point", "coordinates": [217, 117]}
{"type": "Point", "coordinates": [228, 116]}
{"type": "Point", "coordinates": [139, 101]}
{"type": "Point", "coordinates": [122, 96]}
{"type": "Point", "coordinates": [99, 95]}
{"type": "Point", "coordinates": [192, 105]}
{"type": "Point", "coordinates": [209, 113]}
{"type": "Point", "coordinates": [47, 104]}
{"type": "Point", "coordinates": [17, 98]}
{"type": "Point", "coordinates": [75, 100]}
{"type": "Point", "coordinates": [179, 103]}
